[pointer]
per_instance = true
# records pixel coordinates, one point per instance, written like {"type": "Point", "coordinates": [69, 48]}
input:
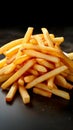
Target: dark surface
{"type": "Point", "coordinates": [42, 113]}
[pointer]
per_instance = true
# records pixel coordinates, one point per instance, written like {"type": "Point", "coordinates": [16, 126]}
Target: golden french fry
{"type": "Point", "coordinates": [34, 72]}
{"type": "Point", "coordinates": [42, 55]}
{"type": "Point", "coordinates": [44, 49]}
{"type": "Point", "coordinates": [65, 59]}
{"type": "Point", "coordinates": [24, 94]}
{"type": "Point", "coordinates": [28, 35]}
{"type": "Point", "coordinates": [29, 78]}
{"type": "Point", "coordinates": [50, 82]}
{"type": "Point", "coordinates": [21, 81]}
{"type": "Point", "coordinates": [58, 40]}
{"type": "Point", "coordinates": [47, 37]}
{"type": "Point", "coordinates": [42, 92]}
{"type": "Point", "coordinates": [46, 76]}
{"type": "Point", "coordinates": [2, 62]}
{"type": "Point", "coordinates": [19, 73]}
{"type": "Point", "coordinates": [55, 91]}
{"type": "Point", "coordinates": [52, 35]}
{"type": "Point", "coordinates": [45, 63]}
{"type": "Point", "coordinates": [12, 51]}
{"type": "Point", "coordinates": [4, 77]}
{"type": "Point", "coordinates": [9, 45]}
{"type": "Point", "coordinates": [33, 41]}
{"type": "Point", "coordinates": [7, 69]}
{"type": "Point", "coordinates": [62, 82]}
{"type": "Point", "coordinates": [39, 40]}
{"type": "Point", "coordinates": [40, 68]}
{"type": "Point", "coordinates": [70, 55]}
{"type": "Point", "coordinates": [10, 60]}
{"type": "Point", "coordinates": [10, 95]}
{"type": "Point", "coordinates": [21, 59]}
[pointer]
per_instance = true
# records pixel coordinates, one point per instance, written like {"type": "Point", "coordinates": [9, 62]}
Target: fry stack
{"type": "Point", "coordinates": [36, 62]}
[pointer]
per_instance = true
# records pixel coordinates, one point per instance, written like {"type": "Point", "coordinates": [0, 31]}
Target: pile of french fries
{"type": "Point", "coordinates": [37, 62]}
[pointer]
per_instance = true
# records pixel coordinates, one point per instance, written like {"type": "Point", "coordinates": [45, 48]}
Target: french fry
{"type": "Point", "coordinates": [40, 68]}
{"type": "Point", "coordinates": [19, 73]}
{"type": "Point", "coordinates": [58, 40]}
{"type": "Point", "coordinates": [70, 55]}
{"type": "Point", "coordinates": [41, 55]}
{"type": "Point", "coordinates": [50, 82]}
{"type": "Point", "coordinates": [2, 62]}
{"type": "Point", "coordinates": [10, 60]}
{"type": "Point", "coordinates": [39, 40]}
{"type": "Point", "coordinates": [12, 51]}
{"type": "Point", "coordinates": [55, 91]}
{"type": "Point", "coordinates": [4, 77]}
{"type": "Point", "coordinates": [62, 82]}
{"type": "Point", "coordinates": [45, 63]}
{"type": "Point", "coordinates": [9, 45]}
{"type": "Point", "coordinates": [33, 41]}
{"type": "Point", "coordinates": [29, 78]}
{"type": "Point", "coordinates": [21, 59]}
{"type": "Point", "coordinates": [42, 92]}
{"type": "Point", "coordinates": [47, 37]}
{"type": "Point", "coordinates": [7, 69]}
{"type": "Point", "coordinates": [10, 95]}
{"type": "Point", "coordinates": [46, 76]}
{"type": "Point", "coordinates": [21, 81]}
{"type": "Point", "coordinates": [34, 72]}
{"type": "Point", "coordinates": [24, 94]}
{"type": "Point", "coordinates": [28, 34]}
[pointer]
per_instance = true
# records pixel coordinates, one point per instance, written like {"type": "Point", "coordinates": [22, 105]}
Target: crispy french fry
{"type": "Point", "coordinates": [42, 92]}
{"type": "Point", "coordinates": [21, 59]}
{"type": "Point", "coordinates": [55, 91]}
{"type": "Point", "coordinates": [28, 34]}
{"type": "Point", "coordinates": [19, 73]}
{"type": "Point", "coordinates": [21, 81]}
{"type": "Point", "coordinates": [50, 82]}
{"type": "Point", "coordinates": [10, 95]}
{"type": "Point", "coordinates": [46, 76]}
{"type": "Point", "coordinates": [12, 51]}
{"type": "Point", "coordinates": [58, 40]}
{"type": "Point", "coordinates": [24, 94]}
{"type": "Point", "coordinates": [33, 41]}
{"type": "Point", "coordinates": [47, 37]}
{"type": "Point", "coordinates": [7, 69]}
{"type": "Point", "coordinates": [29, 78]}
{"type": "Point", "coordinates": [4, 77]}
{"type": "Point", "coordinates": [9, 45]}
{"type": "Point", "coordinates": [41, 55]}
{"type": "Point", "coordinates": [39, 40]}
{"type": "Point", "coordinates": [40, 68]}
{"type": "Point", "coordinates": [34, 72]}
{"type": "Point", "coordinates": [62, 82]}
{"type": "Point", "coordinates": [70, 55]}
{"type": "Point", "coordinates": [2, 62]}
{"type": "Point", "coordinates": [45, 63]}
{"type": "Point", "coordinates": [10, 60]}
